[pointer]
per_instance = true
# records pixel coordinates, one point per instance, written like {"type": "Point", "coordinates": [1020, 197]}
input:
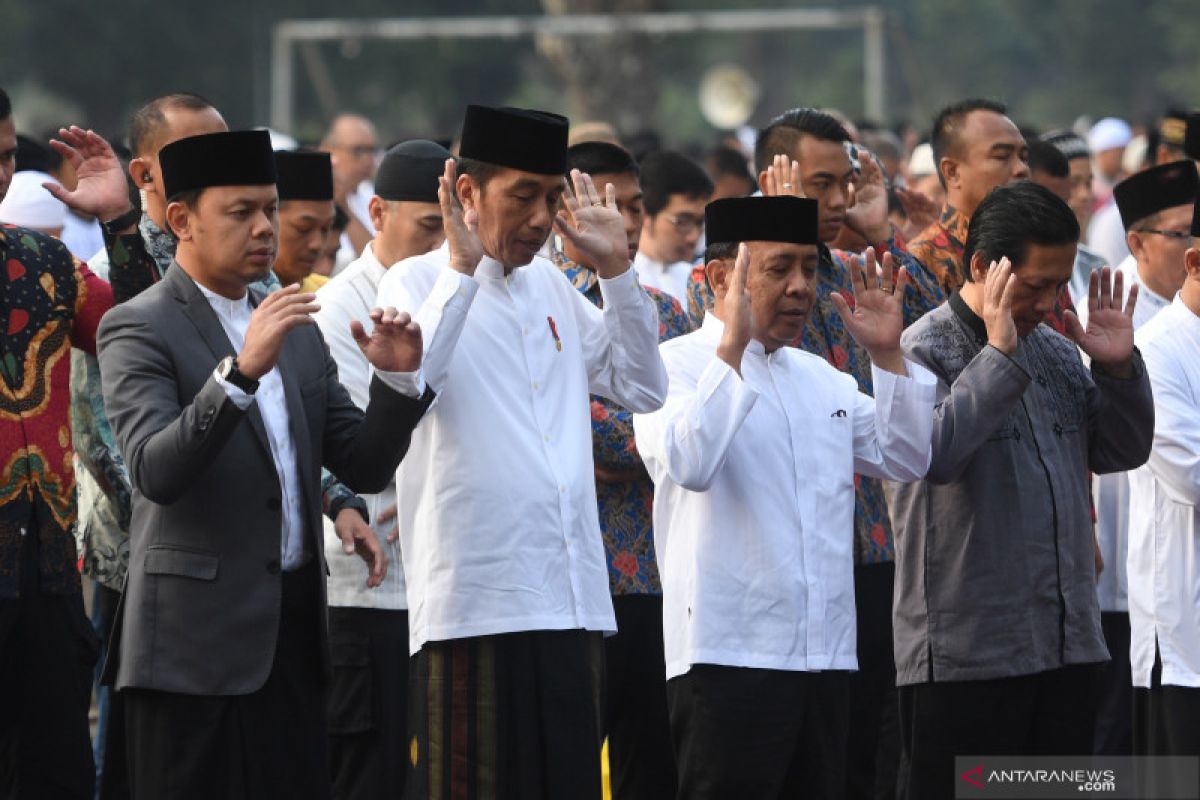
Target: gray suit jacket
{"type": "Point", "coordinates": [201, 605]}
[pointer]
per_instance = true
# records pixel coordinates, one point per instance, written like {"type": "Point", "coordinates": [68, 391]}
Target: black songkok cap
{"type": "Point", "coordinates": [231, 158]}
{"type": "Point", "coordinates": [761, 219]}
{"type": "Point", "coordinates": [303, 175]}
{"type": "Point", "coordinates": [410, 171]}
{"type": "Point", "coordinates": [1191, 140]}
{"type": "Point", "coordinates": [1069, 143]}
{"type": "Point", "coordinates": [531, 141]}
{"type": "Point", "coordinates": [1152, 190]}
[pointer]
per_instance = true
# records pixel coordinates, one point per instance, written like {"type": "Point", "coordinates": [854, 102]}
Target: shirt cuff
{"type": "Point", "coordinates": [409, 384]}
{"type": "Point", "coordinates": [453, 289]}
{"type": "Point", "coordinates": [622, 289]}
{"type": "Point", "coordinates": [239, 398]}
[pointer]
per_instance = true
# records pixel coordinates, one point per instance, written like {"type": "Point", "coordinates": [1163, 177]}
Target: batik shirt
{"type": "Point", "coordinates": [49, 301]}
{"type": "Point", "coordinates": [825, 335]}
{"type": "Point", "coordinates": [625, 507]}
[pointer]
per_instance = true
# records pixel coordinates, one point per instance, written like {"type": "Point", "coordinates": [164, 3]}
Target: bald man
{"type": "Point", "coordinates": [353, 146]}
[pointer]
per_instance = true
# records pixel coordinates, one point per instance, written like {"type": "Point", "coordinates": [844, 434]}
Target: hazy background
{"type": "Point", "coordinates": [1050, 60]}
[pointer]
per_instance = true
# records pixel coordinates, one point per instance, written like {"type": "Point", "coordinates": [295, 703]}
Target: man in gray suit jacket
{"type": "Point", "coordinates": [226, 405]}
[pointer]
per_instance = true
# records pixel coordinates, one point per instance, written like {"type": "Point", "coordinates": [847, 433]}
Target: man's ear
{"type": "Point", "coordinates": [139, 170]}
{"type": "Point", "coordinates": [949, 170]}
{"type": "Point", "coordinates": [376, 208]}
{"type": "Point", "coordinates": [179, 220]}
{"type": "Point", "coordinates": [717, 272]}
{"type": "Point", "coordinates": [1137, 245]}
{"type": "Point", "coordinates": [979, 267]}
{"type": "Point", "coordinates": [1191, 260]}
{"type": "Point", "coordinates": [468, 192]}
{"type": "Point", "coordinates": [762, 181]}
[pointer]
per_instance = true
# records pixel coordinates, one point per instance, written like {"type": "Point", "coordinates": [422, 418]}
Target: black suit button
{"type": "Point", "coordinates": [273, 503]}
{"type": "Point", "coordinates": [273, 567]}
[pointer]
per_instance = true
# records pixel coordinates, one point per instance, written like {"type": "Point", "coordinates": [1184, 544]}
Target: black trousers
{"type": "Point", "coordinates": [1114, 700]}
{"type": "Point", "coordinates": [1048, 713]}
{"type": "Point", "coordinates": [48, 654]}
{"type": "Point", "coordinates": [271, 743]}
{"type": "Point", "coordinates": [641, 760]}
{"type": "Point", "coordinates": [873, 740]}
{"type": "Point", "coordinates": [1166, 718]}
{"type": "Point", "coordinates": [368, 703]}
{"type": "Point", "coordinates": [515, 716]}
{"type": "Point", "coordinates": [759, 734]}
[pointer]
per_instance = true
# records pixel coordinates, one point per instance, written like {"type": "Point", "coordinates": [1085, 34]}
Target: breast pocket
{"type": "Point", "coordinates": [183, 562]}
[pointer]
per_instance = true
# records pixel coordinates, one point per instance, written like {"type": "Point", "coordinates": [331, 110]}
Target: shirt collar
{"type": "Point", "coordinates": [225, 307]}
{"type": "Point", "coordinates": [371, 265]}
{"type": "Point", "coordinates": [955, 223]}
{"type": "Point", "coordinates": [969, 317]}
{"type": "Point", "coordinates": [712, 328]}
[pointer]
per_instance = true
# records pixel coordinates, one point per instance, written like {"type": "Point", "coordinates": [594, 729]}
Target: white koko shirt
{"type": "Point", "coordinates": [1164, 514]}
{"type": "Point", "coordinates": [669, 278]}
{"type": "Point", "coordinates": [350, 295]}
{"type": "Point", "coordinates": [754, 498]}
{"type": "Point", "coordinates": [497, 498]}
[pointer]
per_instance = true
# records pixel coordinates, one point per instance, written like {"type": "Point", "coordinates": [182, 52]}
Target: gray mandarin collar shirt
{"type": "Point", "coordinates": [995, 572]}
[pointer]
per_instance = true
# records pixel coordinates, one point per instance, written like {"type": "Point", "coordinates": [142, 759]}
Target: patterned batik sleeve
{"type": "Point", "coordinates": [132, 270]}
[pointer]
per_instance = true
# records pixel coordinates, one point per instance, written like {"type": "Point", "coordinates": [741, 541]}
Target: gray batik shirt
{"type": "Point", "coordinates": [995, 573]}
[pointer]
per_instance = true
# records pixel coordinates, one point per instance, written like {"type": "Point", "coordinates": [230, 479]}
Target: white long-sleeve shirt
{"type": "Point", "coordinates": [350, 295]}
{"type": "Point", "coordinates": [669, 278]}
{"type": "Point", "coordinates": [497, 499]}
{"type": "Point", "coordinates": [1111, 491]}
{"type": "Point", "coordinates": [1164, 530]}
{"type": "Point", "coordinates": [754, 498]}
{"type": "Point", "coordinates": [234, 316]}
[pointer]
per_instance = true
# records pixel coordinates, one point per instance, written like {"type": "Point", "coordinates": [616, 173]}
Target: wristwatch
{"type": "Point", "coordinates": [228, 371]}
{"type": "Point", "coordinates": [127, 220]}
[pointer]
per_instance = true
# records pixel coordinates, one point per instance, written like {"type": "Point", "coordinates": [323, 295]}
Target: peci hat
{"type": "Point", "coordinates": [410, 171]}
{"type": "Point", "coordinates": [761, 219]}
{"type": "Point", "coordinates": [1155, 189]}
{"type": "Point", "coordinates": [230, 158]}
{"type": "Point", "coordinates": [519, 138]}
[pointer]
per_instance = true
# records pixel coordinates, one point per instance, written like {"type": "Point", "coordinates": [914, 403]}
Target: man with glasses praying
{"type": "Point", "coordinates": [676, 190]}
{"type": "Point", "coordinates": [353, 149]}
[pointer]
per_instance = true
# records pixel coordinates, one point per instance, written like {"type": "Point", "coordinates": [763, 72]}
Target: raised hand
{"type": "Point", "coordinates": [357, 537]}
{"type": "Point", "coordinates": [102, 191]}
{"type": "Point", "coordinates": [876, 319]}
{"type": "Point", "coordinates": [594, 225]}
{"type": "Point", "coordinates": [997, 306]}
{"type": "Point", "coordinates": [920, 210]}
{"type": "Point", "coordinates": [868, 214]}
{"type": "Point", "coordinates": [1108, 339]}
{"type": "Point", "coordinates": [395, 343]}
{"type": "Point", "coordinates": [462, 227]}
{"type": "Point", "coordinates": [270, 323]}
{"type": "Point", "coordinates": [783, 178]}
{"type": "Point", "coordinates": [736, 309]}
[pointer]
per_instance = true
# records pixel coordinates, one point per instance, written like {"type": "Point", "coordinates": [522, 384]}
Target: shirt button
{"type": "Point", "coordinates": [562, 490]}
{"type": "Point", "coordinates": [535, 386]}
{"type": "Point", "coordinates": [545, 438]}
{"type": "Point", "coordinates": [524, 331]}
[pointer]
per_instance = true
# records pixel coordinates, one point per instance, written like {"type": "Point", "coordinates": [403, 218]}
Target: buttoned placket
{"type": "Point", "coordinates": [534, 348]}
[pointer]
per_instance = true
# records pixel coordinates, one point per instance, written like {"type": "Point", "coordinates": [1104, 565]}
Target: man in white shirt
{"type": "Point", "coordinates": [675, 189]}
{"type": "Point", "coordinates": [368, 628]}
{"type": "Point", "coordinates": [506, 572]}
{"type": "Point", "coordinates": [753, 457]}
{"type": "Point", "coordinates": [226, 405]}
{"type": "Point", "coordinates": [1156, 210]}
{"type": "Point", "coordinates": [353, 147]}
{"type": "Point", "coordinates": [1164, 532]}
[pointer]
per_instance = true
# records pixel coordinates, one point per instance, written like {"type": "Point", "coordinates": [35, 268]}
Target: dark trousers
{"type": "Point", "coordinates": [368, 703]}
{"type": "Point", "coordinates": [514, 716]}
{"type": "Point", "coordinates": [759, 734]}
{"type": "Point", "coordinates": [873, 741]}
{"type": "Point", "coordinates": [270, 743]}
{"type": "Point", "coordinates": [48, 652]}
{"type": "Point", "coordinates": [108, 746]}
{"type": "Point", "coordinates": [1114, 699]}
{"type": "Point", "coordinates": [1049, 713]}
{"type": "Point", "coordinates": [1166, 723]}
{"type": "Point", "coordinates": [641, 760]}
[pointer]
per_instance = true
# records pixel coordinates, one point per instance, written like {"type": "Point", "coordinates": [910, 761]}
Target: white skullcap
{"type": "Point", "coordinates": [920, 163]}
{"type": "Point", "coordinates": [29, 205]}
{"type": "Point", "coordinates": [1109, 134]}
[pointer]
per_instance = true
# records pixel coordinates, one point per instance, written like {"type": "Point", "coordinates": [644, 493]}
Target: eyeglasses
{"type": "Point", "coordinates": [1169, 234]}
{"type": "Point", "coordinates": [686, 223]}
{"type": "Point", "coordinates": [361, 151]}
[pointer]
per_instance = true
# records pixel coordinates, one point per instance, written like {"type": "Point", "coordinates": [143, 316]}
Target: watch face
{"type": "Point", "coordinates": [225, 367]}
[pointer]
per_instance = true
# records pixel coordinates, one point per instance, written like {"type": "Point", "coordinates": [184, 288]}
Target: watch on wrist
{"type": "Point", "coordinates": [127, 220]}
{"type": "Point", "coordinates": [228, 371]}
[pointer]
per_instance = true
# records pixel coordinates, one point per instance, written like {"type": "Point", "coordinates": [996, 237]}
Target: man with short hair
{"type": "Point", "coordinates": [1048, 167]}
{"type": "Point", "coordinates": [226, 404]}
{"type": "Point", "coordinates": [754, 457]}
{"type": "Point", "coordinates": [997, 629]}
{"type": "Point", "coordinates": [976, 148]}
{"type": "Point", "coordinates": [675, 189]}
{"type": "Point", "coordinates": [1156, 208]}
{"type": "Point", "coordinates": [641, 762]}
{"type": "Point", "coordinates": [50, 302]}
{"type": "Point", "coordinates": [1079, 170]}
{"type": "Point", "coordinates": [730, 173]}
{"type": "Point", "coordinates": [306, 212]}
{"type": "Point", "coordinates": [353, 145]}
{"type": "Point", "coordinates": [1164, 575]}
{"type": "Point", "coordinates": [497, 504]}
{"type": "Point", "coordinates": [368, 628]}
